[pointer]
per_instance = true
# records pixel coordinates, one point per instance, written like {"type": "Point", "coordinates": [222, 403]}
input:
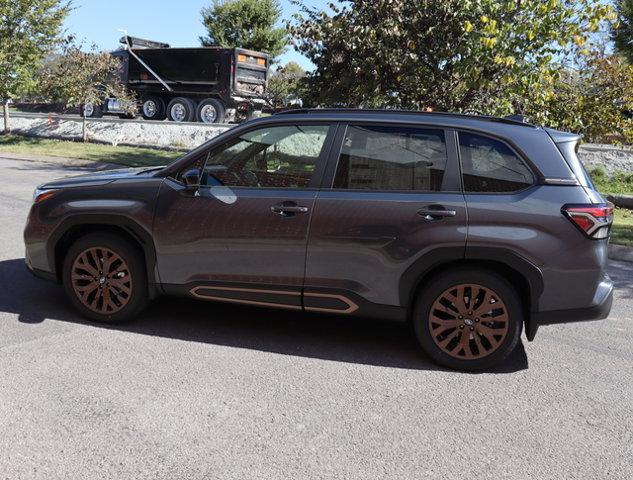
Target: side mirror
{"type": "Point", "coordinates": [191, 179]}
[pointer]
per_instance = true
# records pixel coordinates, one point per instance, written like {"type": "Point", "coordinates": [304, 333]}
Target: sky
{"type": "Point", "coordinates": [175, 22]}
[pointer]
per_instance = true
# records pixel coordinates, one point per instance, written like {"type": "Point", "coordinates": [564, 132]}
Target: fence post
{"type": "Point", "coordinates": [7, 124]}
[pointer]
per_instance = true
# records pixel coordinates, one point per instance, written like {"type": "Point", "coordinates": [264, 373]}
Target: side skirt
{"type": "Point", "coordinates": [336, 302]}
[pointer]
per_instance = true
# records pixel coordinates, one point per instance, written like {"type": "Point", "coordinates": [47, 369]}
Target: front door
{"type": "Point", "coordinates": [392, 202]}
{"type": "Point", "coordinates": [242, 237]}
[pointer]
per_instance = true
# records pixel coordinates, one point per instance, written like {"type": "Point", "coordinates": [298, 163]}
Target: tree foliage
{"type": "Point", "coordinates": [285, 86]}
{"type": "Point", "coordinates": [454, 55]}
{"type": "Point", "coordinates": [75, 77]}
{"type": "Point", "coordinates": [28, 30]}
{"type": "Point", "coordinates": [595, 101]}
{"type": "Point", "coordinates": [622, 32]}
{"type": "Point", "coordinates": [244, 23]}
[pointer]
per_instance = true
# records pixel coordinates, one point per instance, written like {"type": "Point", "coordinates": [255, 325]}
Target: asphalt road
{"type": "Point", "coordinates": [200, 390]}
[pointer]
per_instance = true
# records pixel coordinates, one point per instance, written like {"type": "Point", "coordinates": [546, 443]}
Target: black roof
{"type": "Point", "coordinates": [512, 120]}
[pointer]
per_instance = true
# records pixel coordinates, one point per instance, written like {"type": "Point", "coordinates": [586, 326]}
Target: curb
{"type": "Point", "coordinates": [621, 253]}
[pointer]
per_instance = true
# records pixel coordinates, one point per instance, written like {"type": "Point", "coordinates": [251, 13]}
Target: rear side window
{"type": "Point", "coordinates": [391, 158]}
{"type": "Point", "coordinates": [491, 166]}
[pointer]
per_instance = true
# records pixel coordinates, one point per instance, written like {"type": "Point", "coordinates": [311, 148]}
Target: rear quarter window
{"type": "Point", "coordinates": [491, 166]}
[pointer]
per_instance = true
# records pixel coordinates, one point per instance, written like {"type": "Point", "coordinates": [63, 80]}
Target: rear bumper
{"type": "Point", "coordinates": [598, 309]}
{"type": "Point", "coordinates": [39, 273]}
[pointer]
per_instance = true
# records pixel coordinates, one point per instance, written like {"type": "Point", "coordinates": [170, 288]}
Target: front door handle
{"type": "Point", "coordinates": [288, 210]}
{"type": "Point", "coordinates": [437, 213]}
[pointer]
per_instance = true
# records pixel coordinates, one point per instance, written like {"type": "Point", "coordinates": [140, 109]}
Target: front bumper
{"type": "Point", "coordinates": [598, 310]}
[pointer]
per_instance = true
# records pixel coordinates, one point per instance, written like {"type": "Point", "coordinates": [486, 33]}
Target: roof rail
{"type": "Point", "coordinates": [512, 119]}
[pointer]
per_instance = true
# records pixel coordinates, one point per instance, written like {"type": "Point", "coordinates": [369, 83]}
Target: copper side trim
{"type": "Point", "coordinates": [351, 306]}
{"type": "Point", "coordinates": [194, 292]}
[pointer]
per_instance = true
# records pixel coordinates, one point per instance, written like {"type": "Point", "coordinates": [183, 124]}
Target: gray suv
{"type": "Point", "coordinates": [469, 228]}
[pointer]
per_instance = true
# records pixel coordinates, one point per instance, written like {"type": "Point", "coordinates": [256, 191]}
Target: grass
{"type": "Point", "coordinates": [122, 155]}
{"type": "Point", "coordinates": [619, 183]}
{"type": "Point", "coordinates": [622, 231]}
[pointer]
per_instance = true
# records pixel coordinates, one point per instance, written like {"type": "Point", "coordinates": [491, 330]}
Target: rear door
{"type": "Point", "coordinates": [391, 198]}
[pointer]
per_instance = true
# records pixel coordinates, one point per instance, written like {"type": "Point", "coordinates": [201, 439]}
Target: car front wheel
{"type": "Point", "coordinates": [104, 277]}
{"type": "Point", "coordinates": [468, 319]}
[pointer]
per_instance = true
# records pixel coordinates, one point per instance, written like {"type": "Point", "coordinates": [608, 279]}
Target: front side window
{"type": "Point", "coordinates": [391, 158]}
{"type": "Point", "coordinates": [271, 157]}
{"type": "Point", "coordinates": [491, 166]}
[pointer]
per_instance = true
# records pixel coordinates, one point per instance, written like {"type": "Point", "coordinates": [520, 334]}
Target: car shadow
{"type": "Point", "coordinates": [334, 338]}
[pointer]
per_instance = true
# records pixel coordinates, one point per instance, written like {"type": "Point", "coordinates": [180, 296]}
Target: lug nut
{"type": "Point", "coordinates": [460, 317]}
{"type": "Point", "coordinates": [476, 320]}
{"type": "Point", "coordinates": [472, 328]}
{"type": "Point", "coordinates": [461, 327]}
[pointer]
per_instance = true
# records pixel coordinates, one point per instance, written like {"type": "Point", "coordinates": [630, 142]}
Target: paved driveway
{"type": "Point", "coordinates": [201, 390]}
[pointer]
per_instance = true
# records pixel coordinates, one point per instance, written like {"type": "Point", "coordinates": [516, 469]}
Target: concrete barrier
{"type": "Point", "coordinates": [115, 131]}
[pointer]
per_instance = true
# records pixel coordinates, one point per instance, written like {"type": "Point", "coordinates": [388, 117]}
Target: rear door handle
{"type": "Point", "coordinates": [436, 213]}
{"type": "Point", "coordinates": [288, 210]}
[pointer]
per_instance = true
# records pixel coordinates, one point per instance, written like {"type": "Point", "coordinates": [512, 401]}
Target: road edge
{"type": "Point", "coordinates": [621, 253]}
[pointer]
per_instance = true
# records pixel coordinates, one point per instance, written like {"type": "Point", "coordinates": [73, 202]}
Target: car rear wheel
{"type": "Point", "coordinates": [104, 277]}
{"type": "Point", "coordinates": [468, 319]}
{"type": "Point", "coordinates": [181, 109]}
{"type": "Point", "coordinates": [153, 108]}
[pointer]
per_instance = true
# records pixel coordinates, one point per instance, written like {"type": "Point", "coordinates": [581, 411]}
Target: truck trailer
{"type": "Point", "coordinates": [204, 84]}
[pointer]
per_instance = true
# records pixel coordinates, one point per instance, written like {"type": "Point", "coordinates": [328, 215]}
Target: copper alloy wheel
{"type": "Point", "coordinates": [101, 280]}
{"type": "Point", "coordinates": [468, 321]}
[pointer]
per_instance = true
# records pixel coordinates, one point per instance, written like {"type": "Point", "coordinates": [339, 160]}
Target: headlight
{"type": "Point", "coordinates": [41, 194]}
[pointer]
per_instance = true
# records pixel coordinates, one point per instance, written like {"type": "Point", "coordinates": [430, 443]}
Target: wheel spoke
{"type": "Point", "coordinates": [486, 318]}
{"type": "Point", "coordinates": [99, 289]}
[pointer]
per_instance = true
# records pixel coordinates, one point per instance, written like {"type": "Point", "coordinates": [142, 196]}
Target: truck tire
{"type": "Point", "coordinates": [211, 110]}
{"type": "Point", "coordinates": [90, 110]}
{"type": "Point", "coordinates": [181, 109]}
{"type": "Point", "coordinates": [153, 108]}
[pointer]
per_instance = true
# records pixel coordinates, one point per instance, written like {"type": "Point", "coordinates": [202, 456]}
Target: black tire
{"type": "Point", "coordinates": [213, 105]}
{"type": "Point", "coordinates": [502, 344]}
{"type": "Point", "coordinates": [132, 272]}
{"type": "Point", "coordinates": [153, 108]}
{"type": "Point", "coordinates": [91, 111]}
{"type": "Point", "coordinates": [186, 110]}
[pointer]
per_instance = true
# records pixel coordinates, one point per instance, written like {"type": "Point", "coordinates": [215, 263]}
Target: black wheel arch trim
{"type": "Point", "coordinates": [125, 223]}
{"type": "Point", "coordinates": [419, 271]}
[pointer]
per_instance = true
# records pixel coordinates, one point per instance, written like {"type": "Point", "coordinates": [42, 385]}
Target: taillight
{"type": "Point", "coordinates": [594, 220]}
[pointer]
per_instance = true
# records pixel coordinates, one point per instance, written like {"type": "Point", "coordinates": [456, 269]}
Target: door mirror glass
{"type": "Point", "coordinates": [191, 179]}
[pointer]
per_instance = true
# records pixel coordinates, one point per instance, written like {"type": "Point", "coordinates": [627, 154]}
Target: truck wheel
{"type": "Point", "coordinates": [211, 110]}
{"type": "Point", "coordinates": [90, 110]}
{"type": "Point", "coordinates": [153, 108]}
{"type": "Point", "coordinates": [181, 109]}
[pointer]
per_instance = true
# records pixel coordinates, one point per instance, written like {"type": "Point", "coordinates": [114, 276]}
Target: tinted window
{"type": "Point", "coordinates": [273, 157]}
{"type": "Point", "coordinates": [491, 166]}
{"type": "Point", "coordinates": [391, 158]}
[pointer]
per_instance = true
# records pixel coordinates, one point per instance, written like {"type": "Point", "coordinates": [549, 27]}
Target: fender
{"type": "Point", "coordinates": [503, 257]}
{"type": "Point", "coordinates": [130, 226]}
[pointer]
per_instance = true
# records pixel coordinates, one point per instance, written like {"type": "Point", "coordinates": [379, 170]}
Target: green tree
{"type": "Point", "coordinates": [454, 55]}
{"type": "Point", "coordinates": [285, 86]}
{"type": "Point", "coordinates": [622, 32]}
{"type": "Point", "coordinates": [244, 23]}
{"type": "Point", "coordinates": [75, 77]}
{"type": "Point", "coordinates": [28, 30]}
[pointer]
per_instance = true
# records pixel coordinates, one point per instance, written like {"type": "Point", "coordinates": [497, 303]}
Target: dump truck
{"type": "Point", "coordinates": [203, 84]}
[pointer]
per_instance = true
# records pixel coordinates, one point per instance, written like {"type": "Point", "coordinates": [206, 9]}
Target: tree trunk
{"type": "Point", "coordinates": [84, 132]}
{"type": "Point", "coordinates": [7, 124]}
